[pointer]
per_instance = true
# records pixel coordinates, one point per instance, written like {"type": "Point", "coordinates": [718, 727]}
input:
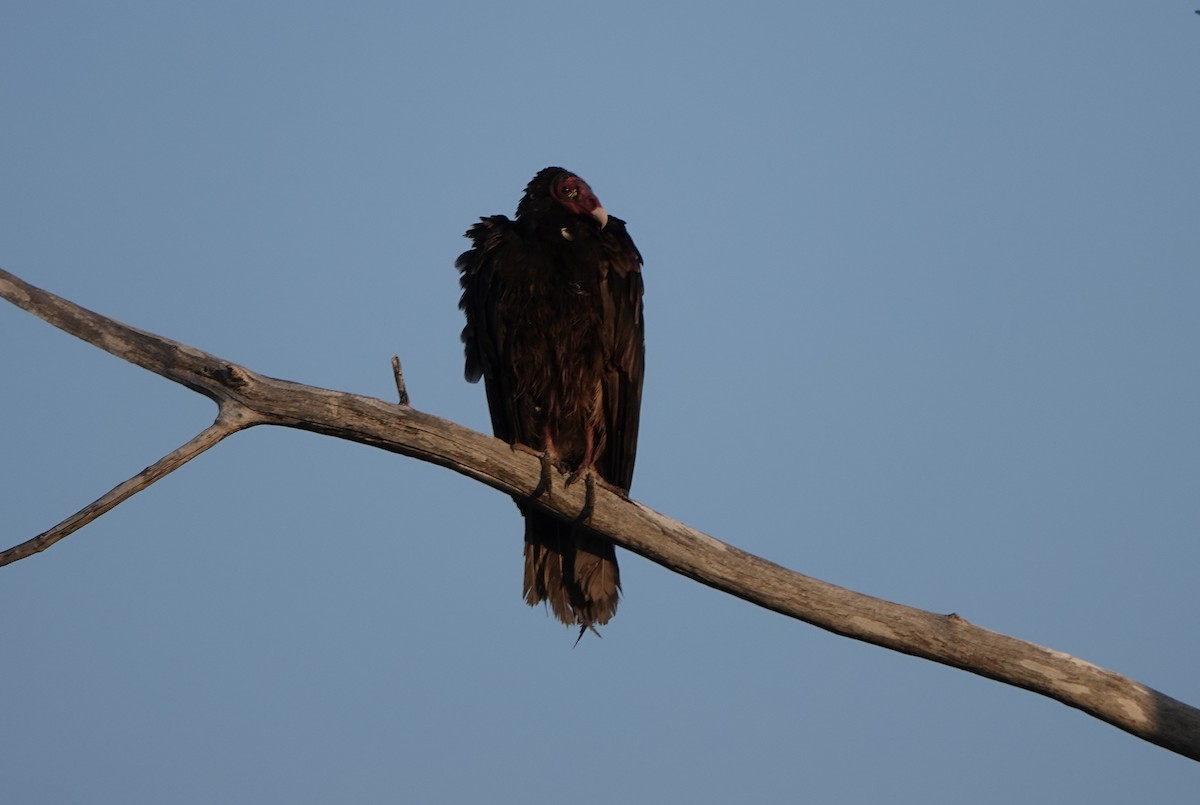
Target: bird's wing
{"type": "Point", "coordinates": [484, 335]}
{"type": "Point", "coordinates": [621, 288]}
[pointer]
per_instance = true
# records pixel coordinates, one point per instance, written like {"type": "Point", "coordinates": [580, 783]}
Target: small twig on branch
{"type": "Point", "coordinates": [398, 373]}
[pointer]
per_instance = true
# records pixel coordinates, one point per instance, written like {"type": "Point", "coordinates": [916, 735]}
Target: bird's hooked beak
{"type": "Point", "coordinates": [600, 215]}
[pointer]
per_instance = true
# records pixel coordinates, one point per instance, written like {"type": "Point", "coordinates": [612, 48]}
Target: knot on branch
{"type": "Point", "coordinates": [230, 376]}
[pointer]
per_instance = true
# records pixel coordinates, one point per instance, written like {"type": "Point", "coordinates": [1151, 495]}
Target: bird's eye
{"type": "Point", "coordinates": [571, 192]}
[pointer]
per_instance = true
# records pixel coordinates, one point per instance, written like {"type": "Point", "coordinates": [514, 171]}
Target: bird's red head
{"type": "Point", "coordinates": [564, 189]}
{"type": "Point", "coordinates": [573, 193]}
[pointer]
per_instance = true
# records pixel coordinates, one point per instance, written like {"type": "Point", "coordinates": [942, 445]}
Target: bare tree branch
{"type": "Point", "coordinates": [247, 399]}
{"type": "Point", "coordinates": [231, 419]}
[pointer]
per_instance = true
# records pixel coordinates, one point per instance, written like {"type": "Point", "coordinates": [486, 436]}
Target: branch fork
{"type": "Point", "coordinates": [246, 399]}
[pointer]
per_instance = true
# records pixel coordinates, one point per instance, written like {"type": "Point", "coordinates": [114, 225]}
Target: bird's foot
{"type": "Point", "coordinates": [547, 460]}
{"type": "Point", "coordinates": [582, 472]}
{"type": "Point", "coordinates": [589, 497]}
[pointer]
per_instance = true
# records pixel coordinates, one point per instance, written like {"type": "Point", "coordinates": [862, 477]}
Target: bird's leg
{"type": "Point", "coordinates": [589, 498]}
{"type": "Point", "coordinates": [585, 466]}
{"type": "Point", "coordinates": [589, 480]}
{"type": "Point", "coordinates": [549, 460]}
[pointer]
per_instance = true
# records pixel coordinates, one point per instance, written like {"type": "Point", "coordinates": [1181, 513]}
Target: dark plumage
{"type": "Point", "coordinates": [554, 326]}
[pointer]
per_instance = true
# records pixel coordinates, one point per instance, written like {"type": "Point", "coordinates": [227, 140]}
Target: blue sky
{"type": "Point", "coordinates": [922, 283]}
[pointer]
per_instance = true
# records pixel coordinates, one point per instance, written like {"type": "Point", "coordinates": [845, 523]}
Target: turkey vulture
{"type": "Point", "coordinates": [553, 302]}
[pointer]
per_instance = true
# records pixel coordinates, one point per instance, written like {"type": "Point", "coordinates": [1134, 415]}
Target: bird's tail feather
{"type": "Point", "coordinates": [572, 570]}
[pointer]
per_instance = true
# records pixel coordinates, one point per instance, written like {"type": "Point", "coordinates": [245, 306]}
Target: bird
{"type": "Point", "coordinates": [553, 305]}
